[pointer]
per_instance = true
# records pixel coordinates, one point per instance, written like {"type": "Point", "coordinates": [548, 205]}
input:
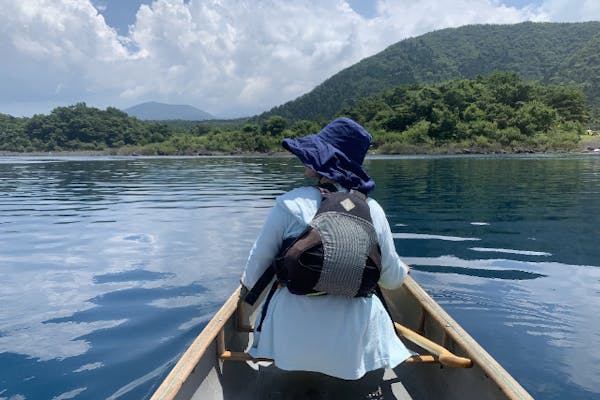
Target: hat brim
{"type": "Point", "coordinates": [329, 161]}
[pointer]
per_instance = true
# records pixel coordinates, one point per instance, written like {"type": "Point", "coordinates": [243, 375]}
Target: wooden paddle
{"type": "Point", "coordinates": [444, 356]}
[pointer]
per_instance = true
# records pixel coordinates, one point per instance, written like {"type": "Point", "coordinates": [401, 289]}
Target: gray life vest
{"type": "Point", "coordinates": [337, 254]}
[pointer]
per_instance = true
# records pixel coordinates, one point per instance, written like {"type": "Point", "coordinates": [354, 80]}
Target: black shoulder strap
{"type": "Point", "coordinates": [331, 188]}
{"type": "Point", "coordinates": [327, 187]}
{"type": "Point", "coordinates": [259, 286]}
{"type": "Point", "coordinates": [379, 294]}
{"type": "Point", "coordinates": [263, 312]}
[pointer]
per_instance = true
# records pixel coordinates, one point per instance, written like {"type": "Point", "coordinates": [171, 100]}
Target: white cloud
{"type": "Point", "coordinates": [52, 49]}
{"type": "Point", "coordinates": [243, 54]}
{"type": "Point", "coordinates": [409, 18]}
{"type": "Point", "coordinates": [570, 11]}
{"type": "Point", "coordinates": [225, 56]}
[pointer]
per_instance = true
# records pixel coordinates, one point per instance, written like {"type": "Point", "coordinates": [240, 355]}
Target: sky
{"type": "Point", "coordinates": [230, 58]}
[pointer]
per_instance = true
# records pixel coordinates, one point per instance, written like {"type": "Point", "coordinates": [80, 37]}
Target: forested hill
{"type": "Point", "coordinates": [557, 53]}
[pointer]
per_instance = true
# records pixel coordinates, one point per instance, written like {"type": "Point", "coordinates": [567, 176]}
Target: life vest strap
{"type": "Point", "coordinates": [259, 286]}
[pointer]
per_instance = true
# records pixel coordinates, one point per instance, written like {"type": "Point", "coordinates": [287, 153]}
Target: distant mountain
{"type": "Point", "coordinates": [551, 53]}
{"type": "Point", "coordinates": [160, 112]}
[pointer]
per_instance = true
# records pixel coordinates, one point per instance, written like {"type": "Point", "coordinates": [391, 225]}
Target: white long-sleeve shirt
{"type": "Point", "coordinates": [339, 336]}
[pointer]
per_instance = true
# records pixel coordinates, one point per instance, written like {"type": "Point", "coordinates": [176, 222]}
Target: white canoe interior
{"type": "Point", "coordinates": [452, 366]}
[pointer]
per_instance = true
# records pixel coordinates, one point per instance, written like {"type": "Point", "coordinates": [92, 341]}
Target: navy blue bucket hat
{"type": "Point", "coordinates": [337, 152]}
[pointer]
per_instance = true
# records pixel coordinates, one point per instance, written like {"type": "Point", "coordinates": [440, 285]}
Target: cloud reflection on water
{"type": "Point", "coordinates": [177, 232]}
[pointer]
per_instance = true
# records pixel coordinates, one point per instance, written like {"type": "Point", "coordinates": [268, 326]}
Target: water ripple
{"type": "Point", "coordinates": [511, 251]}
{"type": "Point", "coordinates": [111, 266]}
{"type": "Point", "coordinates": [422, 236]}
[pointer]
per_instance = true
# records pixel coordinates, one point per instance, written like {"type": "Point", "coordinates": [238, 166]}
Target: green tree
{"type": "Point", "coordinates": [274, 125]}
{"type": "Point", "coordinates": [535, 117]}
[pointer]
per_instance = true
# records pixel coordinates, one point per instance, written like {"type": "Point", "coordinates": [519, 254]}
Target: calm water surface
{"type": "Point", "coordinates": [109, 267]}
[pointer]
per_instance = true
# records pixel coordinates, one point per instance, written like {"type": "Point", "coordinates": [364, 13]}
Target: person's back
{"type": "Point", "coordinates": [337, 335]}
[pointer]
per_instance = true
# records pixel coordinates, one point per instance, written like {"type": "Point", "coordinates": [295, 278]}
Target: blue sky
{"type": "Point", "coordinates": [118, 13]}
{"type": "Point", "coordinates": [227, 57]}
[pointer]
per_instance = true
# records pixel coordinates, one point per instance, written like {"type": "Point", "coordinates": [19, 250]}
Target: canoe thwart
{"type": "Point", "coordinates": [444, 356]}
{"type": "Point", "coordinates": [227, 355]}
{"type": "Point", "coordinates": [241, 356]}
{"type": "Point", "coordinates": [439, 353]}
{"type": "Point", "coordinates": [422, 359]}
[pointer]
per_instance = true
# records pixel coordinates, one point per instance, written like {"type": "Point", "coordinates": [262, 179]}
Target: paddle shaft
{"type": "Point", "coordinates": [444, 356]}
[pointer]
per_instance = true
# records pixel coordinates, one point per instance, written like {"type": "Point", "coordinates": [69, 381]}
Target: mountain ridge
{"type": "Point", "coordinates": [536, 51]}
{"type": "Point", "coordinates": [155, 111]}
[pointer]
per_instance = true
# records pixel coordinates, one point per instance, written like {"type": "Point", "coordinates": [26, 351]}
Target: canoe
{"type": "Point", "coordinates": [450, 364]}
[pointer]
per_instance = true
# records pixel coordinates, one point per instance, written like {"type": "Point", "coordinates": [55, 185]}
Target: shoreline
{"type": "Point", "coordinates": [583, 147]}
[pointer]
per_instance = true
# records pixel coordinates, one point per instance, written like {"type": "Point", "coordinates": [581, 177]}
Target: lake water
{"type": "Point", "coordinates": [109, 267]}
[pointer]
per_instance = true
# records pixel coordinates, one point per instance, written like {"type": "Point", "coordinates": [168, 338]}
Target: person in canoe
{"type": "Point", "coordinates": [329, 246]}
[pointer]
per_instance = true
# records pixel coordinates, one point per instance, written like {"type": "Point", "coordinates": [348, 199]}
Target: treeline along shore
{"type": "Point", "coordinates": [497, 113]}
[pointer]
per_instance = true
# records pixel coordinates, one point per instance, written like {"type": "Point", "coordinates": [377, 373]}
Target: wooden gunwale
{"type": "Point", "coordinates": [507, 384]}
{"type": "Point", "coordinates": [188, 361]}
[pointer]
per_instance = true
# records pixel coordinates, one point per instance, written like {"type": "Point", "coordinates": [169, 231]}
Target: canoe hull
{"type": "Point", "coordinates": [201, 374]}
